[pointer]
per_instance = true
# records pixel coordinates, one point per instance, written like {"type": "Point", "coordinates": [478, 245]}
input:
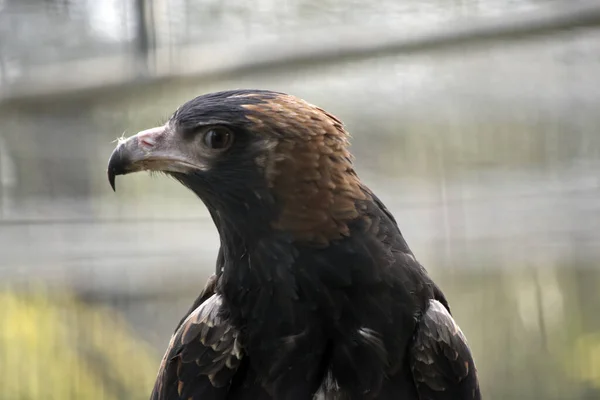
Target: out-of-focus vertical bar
{"type": "Point", "coordinates": [145, 37]}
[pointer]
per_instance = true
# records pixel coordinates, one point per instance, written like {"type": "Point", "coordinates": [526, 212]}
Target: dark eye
{"type": "Point", "coordinates": [218, 138]}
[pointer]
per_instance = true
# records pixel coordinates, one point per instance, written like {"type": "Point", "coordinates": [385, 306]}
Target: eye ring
{"type": "Point", "coordinates": [217, 138]}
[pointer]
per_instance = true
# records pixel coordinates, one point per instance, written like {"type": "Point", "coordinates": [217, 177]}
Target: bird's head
{"type": "Point", "coordinates": [261, 161]}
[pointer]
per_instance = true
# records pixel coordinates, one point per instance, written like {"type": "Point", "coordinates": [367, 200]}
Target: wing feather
{"type": "Point", "coordinates": [441, 362]}
{"type": "Point", "coordinates": [203, 355]}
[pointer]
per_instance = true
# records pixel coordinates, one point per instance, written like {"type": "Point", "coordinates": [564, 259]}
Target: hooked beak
{"type": "Point", "coordinates": [150, 150]}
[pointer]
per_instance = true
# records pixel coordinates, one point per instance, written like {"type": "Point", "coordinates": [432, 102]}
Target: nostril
{"type": "Point", "coordinates": [147, 139]}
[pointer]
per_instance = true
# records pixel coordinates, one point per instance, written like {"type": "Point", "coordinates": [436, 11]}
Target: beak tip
{"type": "Point", "coordinates": [116, 166]}
{"type": "Point", "coordinates": [111, 179]}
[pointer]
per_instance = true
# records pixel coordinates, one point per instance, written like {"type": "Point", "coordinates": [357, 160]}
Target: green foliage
{"type": "Point", "coordinates": [60, 348]}
{"type": "Point", "coordinates": [584, 362]}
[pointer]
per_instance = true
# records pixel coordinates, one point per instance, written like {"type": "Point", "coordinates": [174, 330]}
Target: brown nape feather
{"type": "Point", "coordinates": [309, 168]}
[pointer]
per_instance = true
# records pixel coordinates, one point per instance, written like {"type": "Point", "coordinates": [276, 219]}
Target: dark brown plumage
{"type": "Point", "coordinates": [316, 293]}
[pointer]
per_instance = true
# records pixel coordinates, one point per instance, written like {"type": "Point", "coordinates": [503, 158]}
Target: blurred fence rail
{"type": "Point", "coordinates": [310, 48]}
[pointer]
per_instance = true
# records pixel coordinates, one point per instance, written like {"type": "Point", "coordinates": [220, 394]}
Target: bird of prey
{"type": "Point", "coordinates": [316, 294]}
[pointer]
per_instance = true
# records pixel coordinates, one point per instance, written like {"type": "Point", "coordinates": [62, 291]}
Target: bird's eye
{"type": "Point", "coordinates": [218, 138]}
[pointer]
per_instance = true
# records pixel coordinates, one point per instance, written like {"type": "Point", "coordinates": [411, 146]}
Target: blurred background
{"type": "Point", "coordinates": [476, 122]}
